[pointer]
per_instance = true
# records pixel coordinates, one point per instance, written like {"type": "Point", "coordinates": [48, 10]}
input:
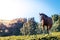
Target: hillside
{"type": "Point", "coordinates": [52, 36]}
{"type": "Point", "coordinates": [7, 22]}
{"type": "Point", "coordinates": [11, 27]}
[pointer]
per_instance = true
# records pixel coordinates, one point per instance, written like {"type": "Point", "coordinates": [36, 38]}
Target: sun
{"type": "Point", "coordinates": [12, 9]}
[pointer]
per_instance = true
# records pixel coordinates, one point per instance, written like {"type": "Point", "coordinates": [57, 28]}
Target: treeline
{"type": "Point", "coordinates": [27, 27]}
{"type": "Point", "coordinates": [56, 22]}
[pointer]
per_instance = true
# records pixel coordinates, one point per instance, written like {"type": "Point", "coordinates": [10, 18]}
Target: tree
{"type": "Point", "coordinates": [56, 24]}
{"type": "Point", "coordinates": [29, 27]}
{"type": "Point", "coordinates": [55, 17]}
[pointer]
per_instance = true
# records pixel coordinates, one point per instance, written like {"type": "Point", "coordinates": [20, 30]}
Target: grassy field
{"type": "Point", "coordinates": [52, 36]}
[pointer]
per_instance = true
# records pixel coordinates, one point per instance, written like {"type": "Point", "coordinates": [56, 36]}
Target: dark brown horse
{"type": "Point", "coordinates": [46, 21]}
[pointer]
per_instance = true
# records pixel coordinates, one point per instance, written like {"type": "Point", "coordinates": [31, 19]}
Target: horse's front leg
{"type": "Point", "coordinates": [48, 29]}
{"type": "Point", "coordinates": [43, 29]}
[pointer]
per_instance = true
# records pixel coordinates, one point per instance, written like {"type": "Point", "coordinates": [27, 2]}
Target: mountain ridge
{"type": "Point", "coordinates": [7, 22]}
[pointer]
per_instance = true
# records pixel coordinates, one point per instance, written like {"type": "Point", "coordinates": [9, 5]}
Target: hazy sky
{"type": "Point", "coordinates": [11, 9]}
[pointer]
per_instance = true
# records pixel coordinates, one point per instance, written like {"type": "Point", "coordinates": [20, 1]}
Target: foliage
{"type": "Point", "coordinates": [55, 17]}
{"type": "Point", "coordinates": [56, 22]}
{"type": "Point", "coordinates": [29, 27]}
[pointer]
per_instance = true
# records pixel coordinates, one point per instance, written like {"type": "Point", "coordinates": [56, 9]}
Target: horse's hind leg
{"type": "Point", "coordinates": [50, 28]}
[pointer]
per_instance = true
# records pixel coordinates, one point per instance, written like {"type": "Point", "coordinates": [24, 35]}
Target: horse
{"type": "Point", "coordinates": [46, 21]}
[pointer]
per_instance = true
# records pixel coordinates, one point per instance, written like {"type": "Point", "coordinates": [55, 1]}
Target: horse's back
{"type": "Point", "coordinates": [50, 21]}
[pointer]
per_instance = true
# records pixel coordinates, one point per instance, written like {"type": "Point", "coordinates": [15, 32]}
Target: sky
{"type": "Point", "coordinates": [11, 9]}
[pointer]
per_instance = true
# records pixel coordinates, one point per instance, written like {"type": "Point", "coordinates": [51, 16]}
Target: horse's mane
{"type": "Point", "coordinates": [44, 15]}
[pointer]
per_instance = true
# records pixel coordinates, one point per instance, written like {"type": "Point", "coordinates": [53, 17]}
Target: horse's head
{"type": "Point", "coordinates": [42, 15]}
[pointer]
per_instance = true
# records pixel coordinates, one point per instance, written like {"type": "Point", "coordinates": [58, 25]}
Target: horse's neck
{"type": "Point", "coordinates": [44, 18]}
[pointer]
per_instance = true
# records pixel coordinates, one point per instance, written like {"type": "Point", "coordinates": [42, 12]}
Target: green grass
{"type": "Point", "coordinates": [33, 37]}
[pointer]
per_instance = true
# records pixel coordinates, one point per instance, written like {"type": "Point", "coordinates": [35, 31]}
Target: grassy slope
{"type": "Point", "coordinates": [29, 37]}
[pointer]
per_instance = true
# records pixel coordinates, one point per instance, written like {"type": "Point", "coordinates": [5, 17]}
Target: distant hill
{"type": "Point", "coordinates": [11, 27]}
{"type": "Point", "coordinates": [7, 22]}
